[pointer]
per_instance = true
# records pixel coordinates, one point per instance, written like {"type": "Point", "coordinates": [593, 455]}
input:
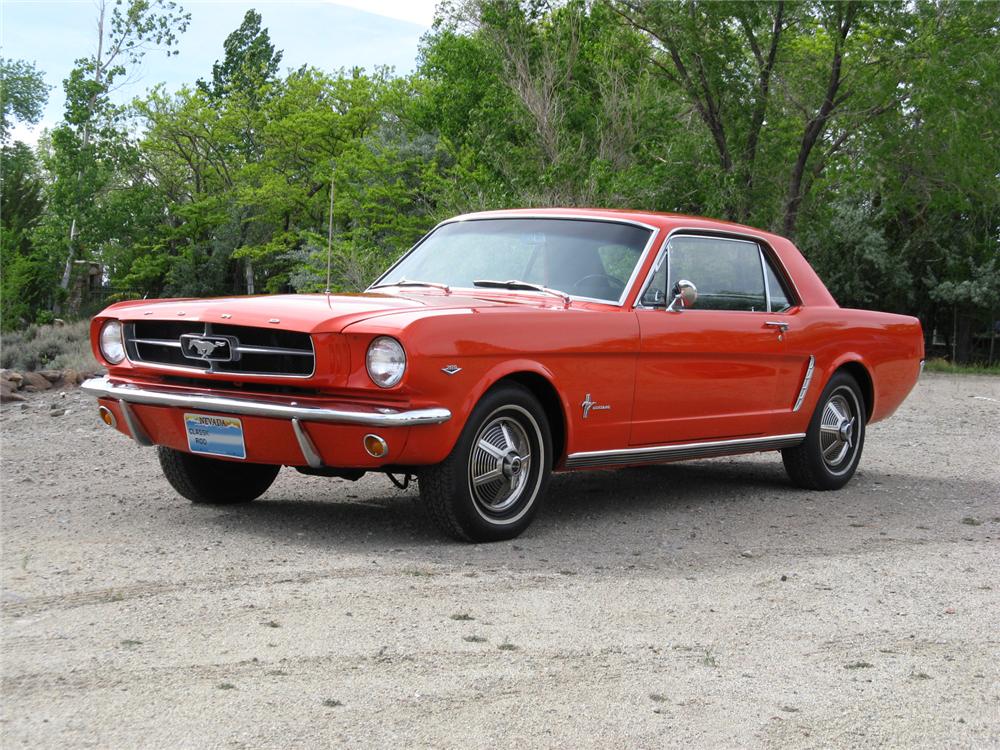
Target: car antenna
{"type": "Point", "coordinates": [329, 234]}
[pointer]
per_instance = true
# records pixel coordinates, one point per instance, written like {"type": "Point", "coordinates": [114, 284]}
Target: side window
{"type": "Point", "coordinates": [727, 273]}
{"type": "Point", "coordinates": [780, 299]}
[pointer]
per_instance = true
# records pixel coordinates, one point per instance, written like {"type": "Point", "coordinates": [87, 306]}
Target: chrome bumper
{"type": "Point", "coordinates": [368, 416]}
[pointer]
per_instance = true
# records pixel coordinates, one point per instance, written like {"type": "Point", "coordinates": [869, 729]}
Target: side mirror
{"type": "Point", "coordinates": [684, 292]}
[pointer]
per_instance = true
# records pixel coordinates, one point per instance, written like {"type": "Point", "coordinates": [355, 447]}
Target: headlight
{"type": "Point", "coordinates": [386, 361]}
{"type": "Point", "coordinates": [111, 342]}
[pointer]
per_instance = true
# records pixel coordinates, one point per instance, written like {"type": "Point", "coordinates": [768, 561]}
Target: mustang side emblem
{"type": "Point", "coordinates": [589, 406]}
{"type": "Point", "coordinates": [208, 347]}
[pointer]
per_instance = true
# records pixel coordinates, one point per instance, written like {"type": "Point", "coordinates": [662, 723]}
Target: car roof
{"type": "Point", "coordinates": [658, 219]}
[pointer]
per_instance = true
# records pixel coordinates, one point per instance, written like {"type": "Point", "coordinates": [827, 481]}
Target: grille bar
{"type": "Point", "coordinates": [254, 351]}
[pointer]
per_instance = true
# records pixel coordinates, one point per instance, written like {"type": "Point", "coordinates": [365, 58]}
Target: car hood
{"type": "Point", "coordinates": [311, 313]}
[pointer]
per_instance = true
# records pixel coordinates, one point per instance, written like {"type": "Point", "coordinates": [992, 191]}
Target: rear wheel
{"type": "Point", "coordinates": [829, 456]}
{"type": "Point", "coordinates": [490, 486]}
{"type": "Point", "coordinates": [211, 480]}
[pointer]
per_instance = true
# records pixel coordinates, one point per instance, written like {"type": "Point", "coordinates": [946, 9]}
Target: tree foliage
{"type": "Point", "coordinates": [865, 130]}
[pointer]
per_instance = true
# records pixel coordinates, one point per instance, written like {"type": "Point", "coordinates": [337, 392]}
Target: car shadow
{"type": "Point", "coordinates": [715, 502]}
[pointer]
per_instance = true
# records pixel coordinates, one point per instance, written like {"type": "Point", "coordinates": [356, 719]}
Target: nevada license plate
{"type": "Point", "coordinates": [215, 436]}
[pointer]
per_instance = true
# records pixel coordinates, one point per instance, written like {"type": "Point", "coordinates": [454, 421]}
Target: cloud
{"type": "Point", "coordinates": [420, 12]}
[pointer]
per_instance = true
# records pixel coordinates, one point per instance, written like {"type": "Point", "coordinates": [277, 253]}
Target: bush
{"type": "Point", "coordinates": [49, 347]}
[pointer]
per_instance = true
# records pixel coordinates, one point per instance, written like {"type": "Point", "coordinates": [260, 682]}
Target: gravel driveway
{"type": "Point", "coordinates": [707, 604]}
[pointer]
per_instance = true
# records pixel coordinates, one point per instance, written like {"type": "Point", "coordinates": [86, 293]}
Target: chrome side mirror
{"type": "Point", "coordinates": [684, 292]}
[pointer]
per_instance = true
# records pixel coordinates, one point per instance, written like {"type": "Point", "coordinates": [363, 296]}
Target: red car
{"type": "Point", "coordinates": [507, 345]}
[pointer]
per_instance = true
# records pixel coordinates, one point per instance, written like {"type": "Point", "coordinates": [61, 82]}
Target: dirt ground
{"type": "Point", "coordinates": [707, 604]}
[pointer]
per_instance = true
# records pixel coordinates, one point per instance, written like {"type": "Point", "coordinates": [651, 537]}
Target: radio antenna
{"type": "Point", "coordinates": [329, 234]}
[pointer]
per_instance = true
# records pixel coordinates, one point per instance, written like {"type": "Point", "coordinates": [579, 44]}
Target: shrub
{"type": "Point", "coordinates": [42, 347]}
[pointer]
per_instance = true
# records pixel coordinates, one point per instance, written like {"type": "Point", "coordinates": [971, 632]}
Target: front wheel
{"type": "Point", "coordinates": [211, 480]}
{"type": "Point", "coordinates": [828, 457]}
{"type": "Point", "coordinates": [490, 486]}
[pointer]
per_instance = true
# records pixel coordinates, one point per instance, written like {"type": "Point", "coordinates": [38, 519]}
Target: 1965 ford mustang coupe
{"type": "Point", "coordinates": [506, 345]}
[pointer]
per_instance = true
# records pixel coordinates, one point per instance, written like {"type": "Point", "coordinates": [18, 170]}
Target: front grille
{"type": "Point", "coordinates": [242, 350]}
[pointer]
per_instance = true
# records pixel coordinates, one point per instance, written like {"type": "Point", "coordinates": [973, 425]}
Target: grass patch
{"type": "Point", "coordinates": [49, 347]}
{"type": "Point", "coordinates": [226, 686]}
{"type": "Point", "coordinates": [131, 643]}
{"type": "Point", "coordinates": [473, 639]}
{"type": "Point", "coordinates": [708, 659]}
{"type": "Point", "coordinates": [658, 697]}
{"type": "Point", "coordinates": [859, 665]}
{"type": "Point", "coordinates": [507, 646]}
{"type": "Point", "coordinates": [943, 365]}
{"type": "Point", "coordinates": [970, 521]}
{"type": "Point", "coordinates": [462, 617]}
{"type": "Point", "coordinates": [420, 573]}
{"type": "Point", "coordinates": [332, 703]}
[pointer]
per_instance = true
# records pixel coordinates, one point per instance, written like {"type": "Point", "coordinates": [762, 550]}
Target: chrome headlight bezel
{"type": "Point", "coordinates": [385, 361]}
{"type": "Point", "coordinates": [111, 343]}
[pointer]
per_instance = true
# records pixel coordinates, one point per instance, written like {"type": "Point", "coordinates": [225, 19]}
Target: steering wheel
{"type": "Point", "coordinates": [615, 286]}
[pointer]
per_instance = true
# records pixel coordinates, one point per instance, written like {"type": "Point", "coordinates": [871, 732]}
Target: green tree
{"type": "Point", "coordinates": [23, 94]}
{"type": "Point", "coordinates": [250, 63]}
{"type": "Point", "coordinates": [82, 148]}
{"type": "Point", "coordinates": [23, 286]}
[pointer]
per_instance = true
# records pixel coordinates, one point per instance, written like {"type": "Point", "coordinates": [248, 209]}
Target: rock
{"type": "Point", "coordinates": [58, 322]}
{"type": "Point", "coordinates": [7, 393]}
{"type": "Point", "coordinates": [37, 381]}
{"type": "Point", "coordinates": [12, 376]}
{"type": "Point", "coordinates": [57, 412]}
{"type": "Point", "coordinates": [53, 376]}
{"type": "Point", "coordinates": [71, 377]}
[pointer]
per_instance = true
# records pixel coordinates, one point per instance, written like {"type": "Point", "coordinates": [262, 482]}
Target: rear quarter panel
{"type": "Point", "coordinates": [889, 347]}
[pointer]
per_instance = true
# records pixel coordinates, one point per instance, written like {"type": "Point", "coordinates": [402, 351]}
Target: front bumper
{"type": "Point", "coordinates": [290, 412]}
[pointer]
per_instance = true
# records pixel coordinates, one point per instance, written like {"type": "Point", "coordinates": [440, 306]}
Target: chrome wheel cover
{"type": "Point", "coordinates": [499, 466]}
{"type": "Point", "coordinates": [839, 432]}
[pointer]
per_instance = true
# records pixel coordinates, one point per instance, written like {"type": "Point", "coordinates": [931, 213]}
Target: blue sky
{"type": "Point", "coordinates": [329, 35]}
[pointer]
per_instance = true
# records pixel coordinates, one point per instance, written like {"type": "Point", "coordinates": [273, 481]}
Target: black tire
{"type": "Point", "coordinates": [211, 480]}
{"type": "Point", "coordinates": [829, 456]}
{"type": "Point", "coordinates": [512, 423]}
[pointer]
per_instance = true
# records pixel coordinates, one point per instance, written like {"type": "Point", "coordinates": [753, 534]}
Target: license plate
{"type": "Point", "coordinates": [215, 436]}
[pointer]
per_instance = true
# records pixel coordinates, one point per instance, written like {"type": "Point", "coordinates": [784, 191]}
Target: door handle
{"type": "Point", "coordinates": [782, 327]}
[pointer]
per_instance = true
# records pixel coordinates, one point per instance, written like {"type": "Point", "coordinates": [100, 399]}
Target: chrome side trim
{"type": "Point", "coordinates": [805, 383]}
{"type": "Point", "coordinates": [654, 232]}
{"type": "Point", "coordinates": [134, 425]}
{"type": "Point", "coordinates": [679, 452]}
{"type": "Point", "coordinates": [763, 270]}
{"type": "Point", "coordinates": [104, 387]}
{"type": "Point", "coordinates": [306, 445]}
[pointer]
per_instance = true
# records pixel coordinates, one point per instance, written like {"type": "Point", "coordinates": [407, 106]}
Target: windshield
{"type": "Point", "coordinates": [592, 259]}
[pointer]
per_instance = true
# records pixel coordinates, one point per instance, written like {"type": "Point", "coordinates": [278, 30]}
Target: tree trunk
{"type": "Point", "coordinates": [98, 74]}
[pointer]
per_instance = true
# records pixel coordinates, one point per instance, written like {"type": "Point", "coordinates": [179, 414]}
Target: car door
{"type": "Point", "coordinates": [717, 368]}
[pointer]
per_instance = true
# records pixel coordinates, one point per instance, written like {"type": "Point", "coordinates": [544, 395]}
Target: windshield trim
{"type": "Point", "coordinates": [653, 233]}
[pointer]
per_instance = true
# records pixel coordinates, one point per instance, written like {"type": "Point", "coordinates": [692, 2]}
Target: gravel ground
{"type": "Point", "coordinates": [706, 604]}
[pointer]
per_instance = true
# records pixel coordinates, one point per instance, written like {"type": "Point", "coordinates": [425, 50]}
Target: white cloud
{"type": "Point", "coordinates": [420, 12]}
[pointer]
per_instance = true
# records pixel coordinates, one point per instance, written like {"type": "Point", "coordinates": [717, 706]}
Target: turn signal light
{"type": "Point", "coordinates": [375, 446]}
{"type": "Point", "coordinates": [107, 416]}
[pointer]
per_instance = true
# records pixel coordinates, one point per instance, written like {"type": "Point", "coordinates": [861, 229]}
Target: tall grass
{"type": "Point", "coordinates": [943, 365]}
{"type": "Point", "coordinates": [49, 347]}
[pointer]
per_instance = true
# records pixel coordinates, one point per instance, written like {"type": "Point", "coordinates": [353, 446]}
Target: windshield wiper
{"type": "Point", "coordinates": [514, 284]}
{"type": "Point", "coordinates": [413, 282]}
